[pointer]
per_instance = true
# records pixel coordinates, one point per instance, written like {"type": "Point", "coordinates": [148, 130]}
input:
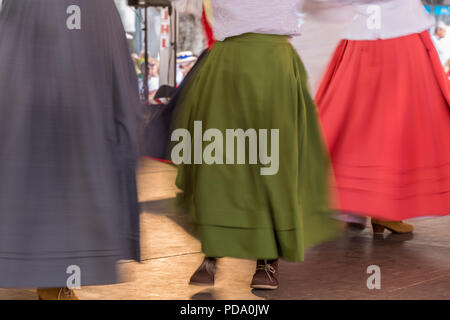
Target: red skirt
{"type": "Point", "coordinates": [385, 111]}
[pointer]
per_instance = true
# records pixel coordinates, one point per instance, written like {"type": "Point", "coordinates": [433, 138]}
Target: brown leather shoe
{"type": "Point", "coordinates": [204, 276]}
{"type": "Point", "coordinates": [266, 275]}
{"type": "Point", "coordinates": [56, 294]}
{"type": "Point", "coordinates": [393, 226]}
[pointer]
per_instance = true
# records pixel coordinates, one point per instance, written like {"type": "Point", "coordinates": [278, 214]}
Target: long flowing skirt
{"type": "Point", "coordinates": [384, 107]}
{"type": "Point", "coordinates": [68, 143]}
{"type": "Point", "coordinates": [256, 82]}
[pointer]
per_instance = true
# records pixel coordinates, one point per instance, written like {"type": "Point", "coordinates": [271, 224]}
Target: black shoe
{"type": "Point", "coordinates": [356, 226]}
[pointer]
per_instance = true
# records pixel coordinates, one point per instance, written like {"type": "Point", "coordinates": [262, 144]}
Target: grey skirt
{"type": "Point", "coordinates": [68, 143]}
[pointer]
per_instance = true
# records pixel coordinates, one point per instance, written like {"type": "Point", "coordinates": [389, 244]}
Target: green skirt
{"type": "Point", "coordinates": [256, 81]}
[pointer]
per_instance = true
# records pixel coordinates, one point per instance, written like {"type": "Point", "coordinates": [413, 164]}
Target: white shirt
{"type": "Point", "coordinates": [386, 19]}
{"type": "Point", "coordinates": [369, 19]}
{"type": "Point", "coordinates": [236, 17]}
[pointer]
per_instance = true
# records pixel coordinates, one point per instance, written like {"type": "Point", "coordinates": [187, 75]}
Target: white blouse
{"type": "Point", "coordinates": [236, 17]}
{"type": "Point", "coordinates": [385, 19]}
{"type": "Point", "coordinates": [366, 19]}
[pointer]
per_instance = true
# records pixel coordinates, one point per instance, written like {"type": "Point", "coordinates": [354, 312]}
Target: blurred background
{"type": "Point", "coordinates": [182, 23]}
{"type": "Point", "coordinates": [439, 8]}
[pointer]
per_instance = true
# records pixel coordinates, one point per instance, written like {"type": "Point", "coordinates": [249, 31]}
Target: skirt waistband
{"type": "Point", "coordinates": [257, 37]}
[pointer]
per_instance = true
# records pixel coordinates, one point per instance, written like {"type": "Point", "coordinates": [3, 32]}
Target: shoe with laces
{"type": "Point", "coordinates": [266, 275]}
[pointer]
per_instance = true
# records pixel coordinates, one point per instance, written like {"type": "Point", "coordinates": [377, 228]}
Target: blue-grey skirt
{"type": "Point", "coordinates": [68, 143]}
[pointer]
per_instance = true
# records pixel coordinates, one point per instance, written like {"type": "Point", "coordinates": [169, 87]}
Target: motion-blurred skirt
{"type": "Point", "coordinates": [68, 144]}
{"type": "Point", "coordinates": [257, 82]}
{"type": "Point", "coordinates": [384, 107]}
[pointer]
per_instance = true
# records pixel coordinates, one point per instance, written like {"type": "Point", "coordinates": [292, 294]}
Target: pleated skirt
{"type": "Point", "coordinates": [384, 108]}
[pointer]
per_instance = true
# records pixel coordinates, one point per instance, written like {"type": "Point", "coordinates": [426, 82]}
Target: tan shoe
{"type": "Point", "coordinates": [56, 294]}
{"type": "Point", "coordinates": [393, 226]}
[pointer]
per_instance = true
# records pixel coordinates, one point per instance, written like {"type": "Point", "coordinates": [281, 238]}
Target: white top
{"type": "Point", "coordinates": [368, 19]}
{"type": "Point", "coordinates": [236, 17]}
{"type": "Point", "coordinates": [385, 19]}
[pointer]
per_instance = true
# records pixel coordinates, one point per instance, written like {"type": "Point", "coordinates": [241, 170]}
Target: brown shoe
{"type": "Point", "coordinates": [204, 276]}
{"type": "Point", "coordinates": [266, 275]}
{"type": "Point", "coordinates": [393, 226]}
{"type": "Point", "coordinates": [56, 294]}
